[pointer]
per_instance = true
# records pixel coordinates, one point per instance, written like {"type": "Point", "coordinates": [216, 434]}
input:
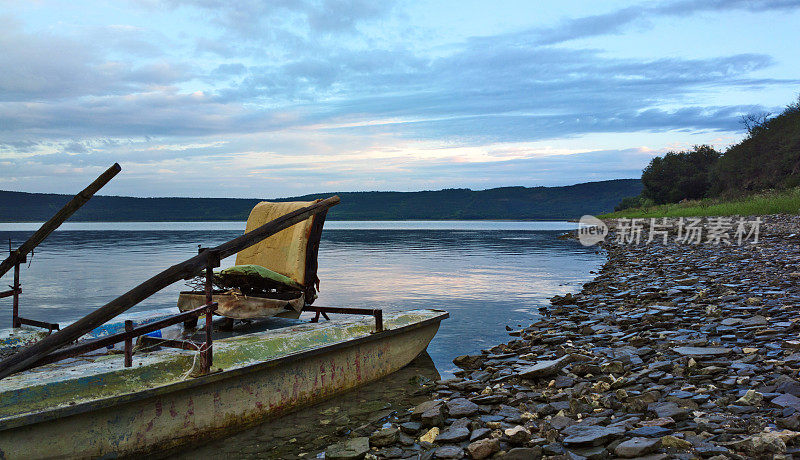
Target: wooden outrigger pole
{"type": "Point", "coordinates": [210, 257]}
{"type": "Point", "coordinates": [69, 209]}
{"type": "Point", "coordinates": [19, 256]}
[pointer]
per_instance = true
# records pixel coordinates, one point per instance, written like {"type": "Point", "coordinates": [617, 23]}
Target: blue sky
{"type": "Point", "coordinates": [286, 97]}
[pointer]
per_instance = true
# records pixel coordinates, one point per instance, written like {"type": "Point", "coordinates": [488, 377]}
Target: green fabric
{"type": "Point", "coordinates": [258, 271]}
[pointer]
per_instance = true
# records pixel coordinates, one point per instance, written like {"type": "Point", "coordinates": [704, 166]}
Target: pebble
{"type": "Point", "coordinates": [430, 435]}
{"type": "Point", "coordinates": [384, 437]}
{"type": "Point", "coordinates": [671, 351]}
{"type": "Point", "coordinates": [636, 447]}
{"type": "Point", "coordinates": [518, 435]}
{"type": "Point", "coordinates": [483, 448]}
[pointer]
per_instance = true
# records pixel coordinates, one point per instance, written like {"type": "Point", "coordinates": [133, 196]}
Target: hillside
{"type": "Point", "coordinates": [521, 203]}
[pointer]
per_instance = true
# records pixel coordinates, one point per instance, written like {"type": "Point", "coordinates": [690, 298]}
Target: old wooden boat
{"type": "Point", "coordinates": [86, 391]}
{"type": "Point", "coordinates": [92, 405]}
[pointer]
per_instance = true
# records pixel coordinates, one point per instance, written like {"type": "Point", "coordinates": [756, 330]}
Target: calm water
{"type": "Point", "coordinates": [486, 274]}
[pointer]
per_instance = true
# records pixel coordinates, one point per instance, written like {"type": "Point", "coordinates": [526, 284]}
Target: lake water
{"type": "Point", "coordinates": [486, 274]}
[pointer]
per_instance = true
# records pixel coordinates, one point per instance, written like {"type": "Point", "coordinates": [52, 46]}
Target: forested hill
{"type": "Point", "coordinates": [521, 203]}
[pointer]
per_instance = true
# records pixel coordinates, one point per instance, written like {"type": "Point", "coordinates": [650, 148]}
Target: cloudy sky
{"type": "Point", "coordinates": [284, 97]}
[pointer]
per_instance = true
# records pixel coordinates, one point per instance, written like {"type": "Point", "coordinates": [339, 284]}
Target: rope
{"type": "Point", "coordinates": [200, 349]}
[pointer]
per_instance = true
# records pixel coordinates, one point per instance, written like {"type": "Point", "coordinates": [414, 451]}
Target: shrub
{"type": "Point", "coordinates": [633, 202]}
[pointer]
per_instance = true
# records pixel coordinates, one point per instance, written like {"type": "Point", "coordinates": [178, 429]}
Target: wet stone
{"type": "Point", "coordinates": [410, 427]}
{"type": "Point", "coordinates": [391, 452]}
{"type": "Point", "coordinates": [672, 442]}
{"type": "Point", "coordinates": [518, 435]}
{"type": "Point", "coordinates": [461, 407]}
{"type": "Point", "coordinates": [433, 416]}
{"type": "Point", "coordinates": [543, 368]}
{"type": "Point", "coordinates": [636, 447]}
{"type": "Point", "coordinates": [352, 449]}
{"type": "Point", "coordinates": [524, 453]}
{"type": "Point", "coordinates": [787, 400]}
{"type": "Point", "coordinates": [698, 352]}
{"type": "Point", "coordinates": [589, 453]}
{"type": "Point", "coordinates": [447, 452]}
{"type": "Point", "coordinates": [650, 431]}
{"type": "Point", "coordinates": [479, 433]}
{"type": "Point", "coordinates": [591, 434]}
{"type": "Point", "coordinates": [384, 437]}
{"type": "Point", "coordinates": [424, 407]}
{"type": "Point", "coordinates": [669, 410]}
{"type": "Point", "coordinates": [483, 448]}
{"type": "Point", "coordinates": [452, 435]}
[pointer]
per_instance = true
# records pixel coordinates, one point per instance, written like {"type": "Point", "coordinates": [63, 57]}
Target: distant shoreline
{"type": "Point", "coordinates": [498, 204]}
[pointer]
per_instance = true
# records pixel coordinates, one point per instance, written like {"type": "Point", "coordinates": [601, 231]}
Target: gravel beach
{"type": "Point", "coordinates": [672, 351]}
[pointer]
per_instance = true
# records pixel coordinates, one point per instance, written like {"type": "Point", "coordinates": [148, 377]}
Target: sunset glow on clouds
{"type": "Point", "coordinates": [279, 98]}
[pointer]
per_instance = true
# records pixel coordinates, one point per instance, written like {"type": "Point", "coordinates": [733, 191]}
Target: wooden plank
{"type": "Point", "coordinates": [29, 355]}
{"type": "Point", "coordinates": [69, 209]}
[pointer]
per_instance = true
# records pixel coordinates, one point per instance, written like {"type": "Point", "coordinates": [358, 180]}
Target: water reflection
{"type": "Point", "coordinates": [306, 432]}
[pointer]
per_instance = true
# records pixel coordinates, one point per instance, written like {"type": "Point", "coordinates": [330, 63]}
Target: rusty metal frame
{"type": "Point", "coordinates": [377, 313]}
{"type": "Point", "coordinates": [129, 334]}
{"type": "Point", "coordinates": [205, 349]}
{"type": "Point", "coordinates": [16, 289]}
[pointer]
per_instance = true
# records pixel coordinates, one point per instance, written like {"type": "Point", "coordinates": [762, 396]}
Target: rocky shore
{"type": "Point", "coordinates": [672, 351]}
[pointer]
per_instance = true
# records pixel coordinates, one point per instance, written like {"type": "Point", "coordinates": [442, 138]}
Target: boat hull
{"type": "Point", "coordinates": [216, 404]}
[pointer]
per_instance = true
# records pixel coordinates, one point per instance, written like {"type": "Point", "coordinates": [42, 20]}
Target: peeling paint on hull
{"type": "Point", "coordinates": [197, 409]}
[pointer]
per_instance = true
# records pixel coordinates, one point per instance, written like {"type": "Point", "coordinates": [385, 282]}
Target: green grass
{"type": "Point", "coordinates": [783, 202]}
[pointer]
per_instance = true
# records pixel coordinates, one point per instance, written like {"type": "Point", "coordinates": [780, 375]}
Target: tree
{"type": "Point", "coordinates": [679, 175]}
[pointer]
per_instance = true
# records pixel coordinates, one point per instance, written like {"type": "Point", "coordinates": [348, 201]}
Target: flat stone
{"type": "Point", "coordinates": [410, 427]}
{"type": "Point", "coordinates": [756, 320]}
{"type": "Point", "coordinates": [352, 449]}
{"type": "Point", "coordinates": [384, 437]}
{"type": "Point", "coordinates": [543, 368]}
{"type": "Point", "coordinates": [483, 448]}
{"type": "Point", "coordinates": [665, 421]}
{"type": "Point", "coordinates": [433, 416]}
{"type": "Point", "coordinates": [761, 445]}
{"type": "Point", "coordinates": [669, 410]}
{"type": "Point", "coordinates": [453, 435]}
{"type": "Point", "coordinates": [461, 407]}
{"type": "Point", "coordinates": [750, 398]}
{"type": "Point", "coordinates": [422, 408]}
{"type": "Point", "coordinates": [430, 435]}
{"type": "Point", "coordinates": [449, 452]}
{"type": "Point", "coordinates": [479, 433]}
{"type": "Point", "coordinates": [792, 388]}
{"type": "Point", "coordinates": [559, 422]}
{"type": "Point", "coordinates": [591, 434]}
{"type": "Point", "coordinates": [518, 435]}
{"type": "Point", "coordinates": [469, 361]}
{"type": "Point", "coordinates": [671, 442]}
{"type": "Point", "coordinates": [636, 447]}
{"type": "Point", "coordinates": [696, 352]}
{"type": "Point", "coordinates": [523, 453]}
{"type": "Point", "coordinates": [787, 400]}
{"type": "Point", "coordinates": [391, 452]}
{"type": "Point", "coordinates": [588, 453]}
{"type": "Point", "coordinates": [650, 431]}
